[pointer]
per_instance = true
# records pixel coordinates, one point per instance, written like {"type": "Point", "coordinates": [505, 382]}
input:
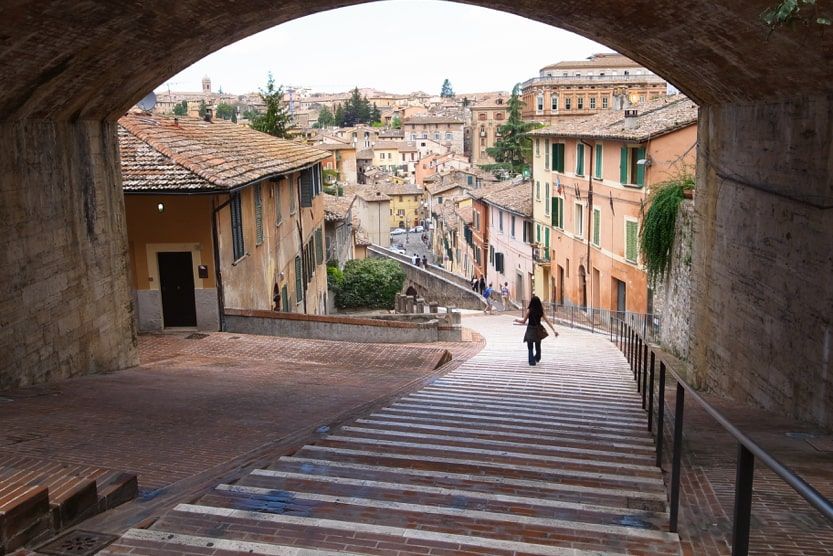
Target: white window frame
{"type": "Point", "coordinates": [547, 198]}
{"type": "Point", "coordinates": [554, 102]}
{"type": "Point", "coordinates": [578, 214]}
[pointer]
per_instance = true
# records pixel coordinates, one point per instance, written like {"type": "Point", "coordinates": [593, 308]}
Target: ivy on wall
{"type": "Point", "coordinates": [659, 224]}
{"type": "Point", "coordinates": [795, 12]}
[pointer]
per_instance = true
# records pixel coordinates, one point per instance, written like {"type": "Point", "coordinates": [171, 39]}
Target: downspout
{"type": "Point", "coordinates": [218, 277]}
{"type": "Point", "coordinates": [588, 274]}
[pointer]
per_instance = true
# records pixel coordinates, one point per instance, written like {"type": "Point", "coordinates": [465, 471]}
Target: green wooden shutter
{"type": "Point", "coordinates": [580, 159]}
{"type": "Point", "coordinates": [538, 233]}
{"type": "Point", "coordinates": [558, 157]}
{"type": "Point", "coordinates": [547, 238]}
{"type": "Point", "coordinates": [554, 211]}
{"type": "Point", "coordinates": [598, 161]}
{"type": "Point", "coordinates": [623, 165]}
{"type": "Point", "coordinates": [631, 240]}
{"type": "Point", "coordinates": [258, 215]}
{"type": "Point", "coordinates": [238, 249]}
{"type": "Point", "coordinates": [284, 298]}
{"type": "Point", "coordinates": [640, 168]}
{"type": "Point", "coordinates": [597, 216]}
{"type": "Point", "coordinates": [299, 280]}
{"type": "Point", "coordinates": [307, 186]}
{"type": "Point", "coordinates": [561, 213]}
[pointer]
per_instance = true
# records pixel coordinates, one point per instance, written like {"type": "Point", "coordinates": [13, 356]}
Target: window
{"type": "Point", "coordinates": [568, 103]}
{"type": "Point", "coordinates": [448, 136]}
{"type": "Point", "coordinates": [630, 171]}
{"type": "Point", "coordinates": [592, 103]}
{"type": "Point", "coordinates": [293, 204]}
{"type": "Point", "coordinates": [558, 212]}
{"type": "Point", "coordinates": [284, 298]}
{"type": "Point", "coordinates": [491, 255]}
{"type": "Point", "coordinates": [578, 219]}
{"type": "Point", "coordinates": [546, 196]}
{"type": "Point", "coordinates": [278, 207]}
{"type": "Point", "coordinates": [481, 116]}
{"type": "Point", "coordinates": [319, 247]}
{"type": "Point", "coordinates": [513, 226]}
{"type": "Point", "coordinates": [537, 146]}
{"type": "Point", "coordinates": [597, 227]}
{"type": "Point", "coordinates": [258, 215]}
{"type": "Point", "coordinates": [547, 156]}
{"type": "Point", "coordinates": [299, 280]}
{"type": "Point", "coordinates": [499, 264]}
{"type": "Point", "coordinates": [597, 163]}
{"type": "Point", "coordinates": [236, 228]}
{"type": "Point", "coordinates": [605, 101]}
{"type": "Point", "coordinates": [580, 159]}
{"type": "Point", "coordinates": [498, 115]}
{"type": "Point", "coordinates": [547, 239]}
{"type": "Point", "coordinates": [538, 233]}
{"type": "Point", "coordinates": [538, 190]}
{"type": "Point", "coordinates": [554, 102]}
{"type": "Point", "coordinates": [413, 137]}
{"type": "Point", "coordinates": [631, 240]}
{"type": "Point", "coordinates": [500, 220]}
{"type": "Point", "coordinates": [558, 157]}
{"type": "Point", "coordinates": [436, 136]}
{"type": "Point", "coordinates": [540, 104]}
{"type": "Point", "coordinates": [580, 102]}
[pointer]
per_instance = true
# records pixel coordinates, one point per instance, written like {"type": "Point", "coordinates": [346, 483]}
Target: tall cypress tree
{"type": "Point", "coordinates": [514, 148]}
{"type": "Point", "coordinates": [276, 119]}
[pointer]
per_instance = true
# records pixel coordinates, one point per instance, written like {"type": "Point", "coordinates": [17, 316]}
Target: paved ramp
{"type": "Point", "coordinates": [496, 457]}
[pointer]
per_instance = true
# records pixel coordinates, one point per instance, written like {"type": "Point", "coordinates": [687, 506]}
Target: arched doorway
{"type": "Point", "coordinates": [60, 173]}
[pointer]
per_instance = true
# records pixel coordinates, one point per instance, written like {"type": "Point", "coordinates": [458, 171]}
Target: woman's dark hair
{"type": "Point", "coordinates": [535, 307]}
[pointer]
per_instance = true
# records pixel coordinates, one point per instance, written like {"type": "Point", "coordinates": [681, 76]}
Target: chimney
{"type": "Point", "coordinates": [631, 118]}
{"type": "Point", "coordinates": [208, 114]}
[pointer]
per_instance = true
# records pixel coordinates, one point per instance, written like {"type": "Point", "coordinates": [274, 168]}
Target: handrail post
{"type": "Point", "coordinates": [743, 501]}
{"type": "Point", "coordinates": [651, 395]}
{"type": "Point", "coordinates": [638, 363]}
{"type": "Point", "coordinates": [678, 451]}
{"type": "Point", "coordinates": [645, 377]}
{"type": "Point", "coordinates": [660, 412]}
{"type": "Point", "coordinates": [630, 346]}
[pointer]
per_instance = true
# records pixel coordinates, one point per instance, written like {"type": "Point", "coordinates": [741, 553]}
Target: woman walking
{"type": "Point", "coordinates": [535, 331]}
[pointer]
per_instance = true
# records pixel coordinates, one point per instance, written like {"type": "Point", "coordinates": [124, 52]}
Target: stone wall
{"type": "Point", "coordinates": [672, 298]}
{"type": "Point", "coordinates": [432, 287]}
{"type": "Point", "coordinates": [65, 302]}
{"type": "Point", "coordinates": [762, 297]}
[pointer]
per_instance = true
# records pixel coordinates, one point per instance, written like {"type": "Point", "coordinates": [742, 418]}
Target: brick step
{"type": "Point", "coordinates": [398, 489]}
{"type": "Point", "coordinates": [362, 511]}
{"type": "Point", "coordinates": [486, 480]}
{"type": "Point", "coordinates": [543, 437]}
{"type": "Point", "coordinates": [469, 463]}
{"type": "Point", "coordinates": [629, 408]}
{"type": "Point", "coordinates": [24, 514]}
{"type": "Point", "coordinates": [585, 411]}
{"type": "Point", "coordinates": [516, 445]}
{"type": "Point", "coordinates": [508, 418]}
{"type": "Point", "coordinates": [472, 423]}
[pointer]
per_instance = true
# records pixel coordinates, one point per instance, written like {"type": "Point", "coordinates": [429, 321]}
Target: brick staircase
{"type": "Point", "coordinates": [40, 498]}
{"type": "Point", "coordinates": [496, 457]}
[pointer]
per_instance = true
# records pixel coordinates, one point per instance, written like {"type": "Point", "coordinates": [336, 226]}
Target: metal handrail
{"type": "Point", "coordinates": [636, 350]}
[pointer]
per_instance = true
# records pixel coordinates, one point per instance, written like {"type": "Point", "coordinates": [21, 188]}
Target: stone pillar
{"type": "Point", "coordinates": [409, 304]}
{"type": "Point", "coordinates": [399, 303]}
{"type": "Point", "coordinates": [65, 303]}
{"type": "Point", "coordinates": [762, 325]}
{"type": "Point", "coordinates": [420, 305]}
{"type": "Point", "coordinates": [433, 307]}
{"type": "Point", "coordinates": [455, 317]}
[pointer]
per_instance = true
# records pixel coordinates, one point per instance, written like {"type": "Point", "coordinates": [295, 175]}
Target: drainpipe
{"type": "Point", "coordinates": [588, 274]}
{"type": "Point", "coordinates": [218, 277]}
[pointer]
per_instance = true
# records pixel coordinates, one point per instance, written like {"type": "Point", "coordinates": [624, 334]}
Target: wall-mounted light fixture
{"type": "Point", "coordinates": [160, 207]}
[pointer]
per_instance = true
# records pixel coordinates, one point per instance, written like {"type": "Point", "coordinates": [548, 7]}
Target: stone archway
{"type": "Point", "coordinates": [761, 330]}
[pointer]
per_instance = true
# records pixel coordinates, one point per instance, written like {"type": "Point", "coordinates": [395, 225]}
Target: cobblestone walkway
{"type": "Point", "coordinates": [496, 457]}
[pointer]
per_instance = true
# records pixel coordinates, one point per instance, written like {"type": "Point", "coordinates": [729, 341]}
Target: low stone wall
{"type": "Point", "coordinates": [344, 329]}
{"type": "Point", "coordinates": [431, 286]}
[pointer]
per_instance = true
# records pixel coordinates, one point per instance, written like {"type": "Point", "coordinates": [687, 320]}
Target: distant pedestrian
{"type": "Point", "coordinates": [481, 285]}
{"type": "Point", "coordinates": [474, 283]}
{"type": "Point", "coordinates": [415, 259]}
{"type": "Point", "coordinates": [424, 261]}
{"type": "Point", "coordinates": [535, 331]}
{"type": "Point", "coordinates": [504, 295]}
{"type": "Point", "coordinates": [488, 294]}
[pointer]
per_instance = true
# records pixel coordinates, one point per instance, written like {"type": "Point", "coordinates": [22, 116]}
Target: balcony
{"type": "Point", "coordinates": [541, 255]}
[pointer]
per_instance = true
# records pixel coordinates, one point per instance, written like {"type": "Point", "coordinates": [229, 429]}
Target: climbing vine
{"type": "Point", "coordinates": [795, 12]}
{"type": "Point", "coordinates": [659, 223]}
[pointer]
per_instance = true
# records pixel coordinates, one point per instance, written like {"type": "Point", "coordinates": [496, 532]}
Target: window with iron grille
{"type": "Point", "coordinates": [299, 280]}
{"type": "Point", "coordinates": [258, 215]}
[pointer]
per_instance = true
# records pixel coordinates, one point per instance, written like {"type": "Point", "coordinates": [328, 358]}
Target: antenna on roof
{"type": "Point", "coordinates": [148, 102]}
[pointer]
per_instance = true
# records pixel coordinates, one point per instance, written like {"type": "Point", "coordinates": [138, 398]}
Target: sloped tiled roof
{"type": "Point", "coordinates": [603, 60]}
{"type": "Point", "coordinates": [336, 208]}
{"type": "Point", "coordinates": [517, 198]}
{"type": "Point", "coordinates": [222, 154]}
{"type": "Point", "coordinates": [484, 191]}
{"type": "Point", "coordinates": [654, 118]}
{"type": "Point", "coordinates": [432, 120]}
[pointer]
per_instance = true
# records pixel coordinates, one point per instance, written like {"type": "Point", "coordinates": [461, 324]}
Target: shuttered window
{"type": "Point", "coordinates": [491, 255]}
{"type": "Point", "coordinates": [284, 298]}
{"type": "Point", "coordinates": [319, 247]}
{"type": "Point", "coordinates": [557, 212]}
{"type": "Point", "coordinates": [547, 237]}
{"type": "Point", "coordinates": [631, 239]}
{"type": "Point", "coordinates": [547, 156]}
{"type": "Point", "coordinates": [307, 187]}
{"type": "Point", "coordinates": [299, 280]}
{"type": "Point", "coordinates": [579, 159]}
{"type": "Point", "coordinates": [547, 196]}
{"type": "Point", "coordinates": [499, 262]}
{"type": "Point", "coordinates": [639, 154]}
{"type": "Point", "coordinates": [598, 162]}
{"type": "Point", "coordinates": [623, 165]}
{"type": "Point", "coordinates": [278, 207]}
{"type": "Point", "coordinates": [538, 233]}
{"type": "Point", "coordinates": [258, 215]}
{"type": "Point", "coordinates": [558, 157]}
{"type": "Point", "coordinates": [236, 227]}
{"type": "Point", "coordinates": [597, 227]}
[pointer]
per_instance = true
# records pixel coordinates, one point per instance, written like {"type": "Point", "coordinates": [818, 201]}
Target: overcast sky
{"type": "Point", "coordinates": [397, 46]}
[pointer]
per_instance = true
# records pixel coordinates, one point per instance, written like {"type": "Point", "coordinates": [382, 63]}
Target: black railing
{"type": "Point", "coordinates": [642, 358]}
{"type": "Point", "coordinates": [602, 321]}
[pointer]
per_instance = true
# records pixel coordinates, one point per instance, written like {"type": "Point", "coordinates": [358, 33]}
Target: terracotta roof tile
{"type": "Point", "coordinates": [517, 198]}
{"type": "Point", "coordinates": [337, 208]}
{"type": "Point", "coordinates": [603, 60]}
{"type": "Point", "coordinates": [222, 154]}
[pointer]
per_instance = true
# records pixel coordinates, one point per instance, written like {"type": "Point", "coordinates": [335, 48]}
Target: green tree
{"type": "Point", "coordinates": [225, 111]}
{"type": "Point", "coordinates": [447, 91]}
{"type": "Point", "coordinates": [326, 117]}
{"type": "Point", "coordinates": [396, 123]}
{"type": "Point", "coordinates": [370, 283]}
{"type": "Point", "coordinates": [276, 120]}
{"type": "Point", "coordinates": [796, 12]}
{"type": "Point", "coordinates": [181, 108]}
{"type": "Point", "coordinates": [339, 116]}
{"type": "Point", "coordinates": [375, 114]}
{"type": "Point", "coordinates": [514, 148]}
{"type": "Point", "coordinates": [203, 109]}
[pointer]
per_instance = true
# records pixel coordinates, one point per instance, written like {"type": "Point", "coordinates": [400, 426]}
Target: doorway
{"type": "Point", "coordinates": [176, 282]}
{"type": "Point", "coordinates": [559, 288]}
{"type": "Point", "coordinates": [582, 285]}
{"type": "Point", "coordinates": [621, 296]}
{"type": "Point", "coordinates": [519, 288]}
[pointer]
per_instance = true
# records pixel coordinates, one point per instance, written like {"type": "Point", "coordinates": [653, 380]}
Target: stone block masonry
{"type": "Point", "coordinates": [65, 304]}
{"type": "Point", "coordinates": [672, 299]}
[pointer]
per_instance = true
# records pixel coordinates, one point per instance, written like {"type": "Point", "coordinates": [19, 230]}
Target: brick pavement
{"type": "Point", "coordinates": [193, 405]}
{"type": "Point", "coordinates": [495, 457]}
